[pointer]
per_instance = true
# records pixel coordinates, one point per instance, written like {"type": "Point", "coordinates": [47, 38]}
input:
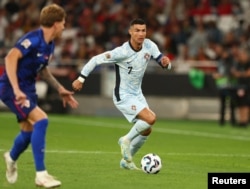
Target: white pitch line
{"type": "Point", "coordinates": [155, 129]}
{"type": "Point", "coordinates": [168, 153]}
{"type": "Point", "coordinates": [94, 123]}
{"type": "Point", "coordinates": [202, 134]}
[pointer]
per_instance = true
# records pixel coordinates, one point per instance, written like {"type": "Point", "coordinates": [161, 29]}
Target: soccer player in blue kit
{"type": "Point", "coordinates": [28, 58]}
{"type": "Point", "coordinates": [130, 62]}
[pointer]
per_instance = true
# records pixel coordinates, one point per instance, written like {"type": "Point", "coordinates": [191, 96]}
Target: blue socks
{"type": "Point", "coordinates": [38, 143]}
{"type": "Point", "coordinates": [21, 143]}
{"type": "Point", "coordinates": [37, 140]}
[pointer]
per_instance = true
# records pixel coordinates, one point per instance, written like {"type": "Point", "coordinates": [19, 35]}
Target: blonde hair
{"type": "Point", "coordinates": [51, 14]}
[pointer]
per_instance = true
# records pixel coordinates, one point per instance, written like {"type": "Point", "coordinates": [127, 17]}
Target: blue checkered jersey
{"type": "Point", "coordinates": [130, 65]}
{"type": "Point", "coordinates": [35, 56]}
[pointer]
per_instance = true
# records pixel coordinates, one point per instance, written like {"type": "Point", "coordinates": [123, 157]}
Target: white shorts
{"type": "Point", "coordinates": [131, 106]}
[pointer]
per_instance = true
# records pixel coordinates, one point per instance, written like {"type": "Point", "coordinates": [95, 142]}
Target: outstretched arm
{"type": "Point", "coordinates": [77, 84]}
{"type": "Point", "coordinates": [66, 95]}
{"type": "Point", "coordinates": [103, 58]}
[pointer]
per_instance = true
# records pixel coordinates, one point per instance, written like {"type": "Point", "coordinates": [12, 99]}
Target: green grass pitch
{"type": "Point", "coordinates": [83, 153]}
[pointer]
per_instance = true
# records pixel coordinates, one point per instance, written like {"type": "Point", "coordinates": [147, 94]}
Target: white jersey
{"type": "Point", "coordinates": [130, 66]}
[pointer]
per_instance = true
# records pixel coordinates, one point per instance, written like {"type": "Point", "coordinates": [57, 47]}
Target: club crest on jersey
{"type": "Point", "coordinates": [147, 56]}
{"type": "Point", "coordinates": [26, 43]}
{"type": "Point", "coordinates": [108, 56]}
{"type": "Point", "coordinates": [133, 107]}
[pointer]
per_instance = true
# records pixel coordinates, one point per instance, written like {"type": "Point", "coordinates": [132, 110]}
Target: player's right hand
{"type": "Point", "coordinates": [21, 98]}
{"type": "Point", "coordinates": [77, 85]}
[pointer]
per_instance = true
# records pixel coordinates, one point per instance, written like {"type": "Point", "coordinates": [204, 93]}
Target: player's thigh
{"type": "Point", "coordinates": [36, 114]}
{"type": "Point", "coordinates": [21, 112]}
{"type": "Point", "coordinates": [30, 112]}
{"type": "Point", "coordinates": [131, 107]}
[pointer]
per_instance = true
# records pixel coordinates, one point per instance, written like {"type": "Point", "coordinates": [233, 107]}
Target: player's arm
{"type": "Point", "coordinates": [77, 84]}
{"type": "Point", "coordinates": [162, 60]}
{"type": "Point", "coordinates": [90, 66]}
{"type": "Point", "coordinates": [66, 95]}
{"type": "Point", "coordinates": [11, 63]}
{"type": "Point", "coordinates": [52, 81]}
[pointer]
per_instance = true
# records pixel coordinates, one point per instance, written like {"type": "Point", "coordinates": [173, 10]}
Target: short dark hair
{"type": "Point", "coordinates": [137, 21]}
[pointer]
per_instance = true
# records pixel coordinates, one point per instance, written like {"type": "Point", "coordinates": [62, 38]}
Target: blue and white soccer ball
{"type": "Point", "coordinates": [151, 163]}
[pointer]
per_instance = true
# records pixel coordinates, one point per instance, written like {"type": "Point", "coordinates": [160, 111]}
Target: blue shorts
{"type": "Point", "coordinates": [8, 98]}
{"type": "Point", "coordinates": [131, 106]}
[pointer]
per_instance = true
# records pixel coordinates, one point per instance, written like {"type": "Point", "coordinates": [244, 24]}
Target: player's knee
{"type": "Point", "coordinates": [151, 119]}
{"type": "Point", "coordinates": [26, 126]}
{"type": "Point", "coordinates": [147, 116]}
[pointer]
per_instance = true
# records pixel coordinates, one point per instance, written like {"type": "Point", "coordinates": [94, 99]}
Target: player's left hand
{"type": "Point", "coordinates": [67, 97]}
{"type": "Point", "coordinates": [77, 85]}
{"type": "Point", "coordinates": [165, 62]}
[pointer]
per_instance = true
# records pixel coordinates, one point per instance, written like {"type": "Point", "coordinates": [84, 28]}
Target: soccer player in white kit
{"type": "Point", "coordinates": [130, 61]}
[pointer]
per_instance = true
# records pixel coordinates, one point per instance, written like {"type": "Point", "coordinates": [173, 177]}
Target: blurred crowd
{"type": "Point", "coordinates": [185, 30]}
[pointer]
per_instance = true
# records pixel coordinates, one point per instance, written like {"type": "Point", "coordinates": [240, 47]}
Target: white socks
{"type": "Point", "coordinates": [41, 173]}
{"type": "Point", "coordinates": [138, 127]}
{"type": "Point", "coordinates": [137, 143]}
{"type": "Point", "coordinates": [134, 136]}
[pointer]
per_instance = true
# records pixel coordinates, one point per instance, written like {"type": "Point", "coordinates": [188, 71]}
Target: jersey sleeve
{"type": "Point", "coordinates": [107, 57]}
{"type": "Point", "coordinates": [26, 44]}
{"type": "Point", "coordinates": [154, 50]}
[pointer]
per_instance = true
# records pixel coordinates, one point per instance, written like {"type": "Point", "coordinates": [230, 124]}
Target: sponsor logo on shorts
{"type": "Point", "coordinates": [133, 107]}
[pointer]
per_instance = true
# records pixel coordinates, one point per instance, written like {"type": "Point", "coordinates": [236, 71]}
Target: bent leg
{"type": "Point", "coordinates": [145, 119]}
{"type": "Point", "coordinates": [21, 143]}
{"type": "Point", "coordinates": [138, 134]}
{"type": "Point", "coordinates": [139, 127]}
{"type": "Point", "coordinates": [40, 124]}
{"type": "Point", "coordinates": [22, 140]}
{"type": "Point", "coordinates": [38, 143]}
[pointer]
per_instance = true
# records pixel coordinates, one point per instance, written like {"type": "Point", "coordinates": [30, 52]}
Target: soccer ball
{"type": "Point", "coordinates": [151, 163]}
